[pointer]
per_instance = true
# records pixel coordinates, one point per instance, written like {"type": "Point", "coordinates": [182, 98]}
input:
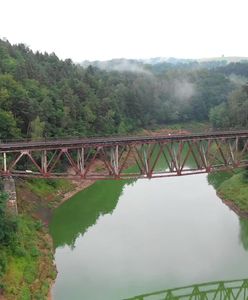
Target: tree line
{"type": "Point", "coordinates": [43, 96]}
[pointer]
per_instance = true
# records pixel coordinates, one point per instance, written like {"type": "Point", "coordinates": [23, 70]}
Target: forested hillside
{"type": "Point", "coordinates": [41, 95]}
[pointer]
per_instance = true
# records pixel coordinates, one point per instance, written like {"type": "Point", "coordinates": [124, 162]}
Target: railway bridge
{"type": "Point", "coordinates": [125, 157]}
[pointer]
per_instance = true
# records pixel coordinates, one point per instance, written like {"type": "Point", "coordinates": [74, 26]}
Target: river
{"type": "Point", "coordinates": [118, 239]}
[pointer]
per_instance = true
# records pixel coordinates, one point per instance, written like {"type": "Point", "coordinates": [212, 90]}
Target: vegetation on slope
{"type": "Point", "coordinates": [236, 190]}
{"type": "Point", "coordinates": [232, 187]}
{"type": "Point", "coordinates": [26, 251]}
{"type": "Point", "coordinates": [27, 262]}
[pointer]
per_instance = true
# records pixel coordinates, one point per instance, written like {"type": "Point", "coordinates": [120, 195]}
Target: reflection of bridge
{"type": "Point", "coordinates": [221, 290]}
{"type": "Point", "coordinates": [107, 158]}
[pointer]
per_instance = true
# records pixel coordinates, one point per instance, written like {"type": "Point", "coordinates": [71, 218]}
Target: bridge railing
{"type": "Point", "coordinates": [170, 132]}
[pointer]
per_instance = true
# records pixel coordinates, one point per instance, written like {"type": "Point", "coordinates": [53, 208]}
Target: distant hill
{"type": "Point", "coordinates": [124, 63]}
{"type": "Point", "coordinates": [161, 63]}
{"type": "Point", "coordinates": [228, 59]}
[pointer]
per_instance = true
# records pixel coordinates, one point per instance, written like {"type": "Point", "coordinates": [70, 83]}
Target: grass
{"type": "Point", "coordinates": [27, 257]}
{"type": "Point", "coordinates": [236, 190]}
{"type": "Point", "coordinates": [49, 187]}
{"type": "Point", "coordinates": [217, 178]}
{"type": "Point", "coordinates": [26, 264]}
{"type": "Point", "coordinates": [232, 187]}
{"type": "Point", "coordinates": [192, 126]}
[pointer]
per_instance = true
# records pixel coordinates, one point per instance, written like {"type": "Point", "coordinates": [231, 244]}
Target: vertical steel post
{"type": "Point", "coordinates": [44, 161]}
{"type": "Point", "coordinates": [4, 162]}
{"type": "Point", "coordinates": [176, 161]}
{"type": "Point", "coordinates": [116, 159]}
{"type": "Point", "coordinates": [80, 159]}
{"type": "Point", "coordinates": [237, 144]}
{"type": "Point", "coordinates": [231, 152]}
{"type": "Point", "coordinates": [146, 162]}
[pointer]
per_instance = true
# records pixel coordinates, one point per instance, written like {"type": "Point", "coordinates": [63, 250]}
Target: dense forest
{"type": "Point", "coordinates": [43, 96]}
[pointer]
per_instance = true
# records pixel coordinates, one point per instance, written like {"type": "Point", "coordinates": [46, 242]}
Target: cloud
{"type": "Point", "coordinates": [183, 89]}
{"type": "Point", "coordinates": [238, 80]}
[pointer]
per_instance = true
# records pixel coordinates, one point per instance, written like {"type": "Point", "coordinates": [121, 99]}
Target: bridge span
{"type": "Point", "coordinates": [226, 290]}
{"type": "Point", "coordinates": [125, 157]}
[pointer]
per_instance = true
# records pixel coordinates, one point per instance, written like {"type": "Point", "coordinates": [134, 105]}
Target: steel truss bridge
{"type": "Point", "coordinates": [110, 157]}
{"type": "Point", "coordinates": [221, 290]}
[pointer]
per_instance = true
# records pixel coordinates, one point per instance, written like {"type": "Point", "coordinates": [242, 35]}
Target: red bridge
{"type": "Point", "coordinates": [125, 157]}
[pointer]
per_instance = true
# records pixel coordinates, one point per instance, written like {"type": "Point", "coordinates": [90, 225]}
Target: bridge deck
{"type": "Point", "coordinates": [110, 141]}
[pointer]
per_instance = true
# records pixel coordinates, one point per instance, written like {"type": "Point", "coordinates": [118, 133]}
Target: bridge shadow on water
{"type": "Point", "coordinates": [220, 290]}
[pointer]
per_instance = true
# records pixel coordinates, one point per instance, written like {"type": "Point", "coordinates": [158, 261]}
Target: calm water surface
{"type": "Point", "coordinates": [118, 239]}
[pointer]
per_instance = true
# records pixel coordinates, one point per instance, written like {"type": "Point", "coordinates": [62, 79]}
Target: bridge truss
{"type": "Point", "coordinates": [125, 157]}
{"type": "Point", "coordinates": [222, 290]}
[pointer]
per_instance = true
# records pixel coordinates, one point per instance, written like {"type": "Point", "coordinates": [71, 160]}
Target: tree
{"type": "Point", "coordinates": [219, 116]}
{"type": "Point", "coordinates": [37, 128]}
{"type": "Point", "coordinates": [238, 108]}
{"type": "Point", "coordinates": [8, 126]}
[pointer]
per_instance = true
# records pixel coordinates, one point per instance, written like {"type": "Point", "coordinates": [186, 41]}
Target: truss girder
{"type": "Point", "coordinates": [222, 290]}
{"type": "Point", "coordinates": [140, 159]}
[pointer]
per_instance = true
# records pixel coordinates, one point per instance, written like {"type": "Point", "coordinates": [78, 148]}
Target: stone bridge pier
{"type": "Point", "coordinates": [10, 189]}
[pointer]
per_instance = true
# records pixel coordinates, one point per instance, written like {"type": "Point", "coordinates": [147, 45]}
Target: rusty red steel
{"type": "Point", "coordinates": [109, 157]}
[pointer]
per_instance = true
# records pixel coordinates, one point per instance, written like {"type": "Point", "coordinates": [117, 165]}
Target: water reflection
{"type": "Point", "coordinates": [74, 217]}
{"type": "Point", "coordinates": [243, 235]}
{"type": "Point", "coordinates": [148, 235]}
{"type": "Point", "coordinates": [228, 290]}
{"type": "Point", "coordinates": [215, 179]}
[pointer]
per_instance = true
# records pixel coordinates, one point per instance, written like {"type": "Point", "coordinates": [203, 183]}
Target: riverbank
{"type": "Point", "coordinates": [26, 262]}
{"type": "Point", "coordinates": [232, 188]}
{"type": "Point", "coordinates": [29, 268]}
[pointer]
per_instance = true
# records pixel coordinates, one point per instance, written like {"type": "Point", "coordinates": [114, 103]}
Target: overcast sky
{"type": "Point", "coordinates": [105, 29]}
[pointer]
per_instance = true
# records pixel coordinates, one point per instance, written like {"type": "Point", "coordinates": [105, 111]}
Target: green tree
{"type": "Point", "coordinates": [8, 126]}
{"type": "Point", "coordinates": [219, 116]}
{"type": "Point", "coordinates": [238, 108]}
{"type": "Point", "coordinates": [37, 128]}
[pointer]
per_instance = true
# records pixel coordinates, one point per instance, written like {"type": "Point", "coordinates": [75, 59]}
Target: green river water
{"type": "Point", "coordinates": [118, 239]}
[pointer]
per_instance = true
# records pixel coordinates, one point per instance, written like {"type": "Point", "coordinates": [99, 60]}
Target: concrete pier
{"type": "Point", "coordinates": [10, 189]}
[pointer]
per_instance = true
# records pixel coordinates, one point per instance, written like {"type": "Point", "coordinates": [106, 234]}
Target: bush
{"type": "Point", "coordinates": [245, 175]}
{"type": "Point", "coordinates": [8, 224]}
{"type": "Point", "coordinates": [3, 262]}
{"type": "Point", "coordinates": [38, 225]}
{"type": "Point", "coordinates": [34, 252]}
{"type": "Point", "coordinates": [29, 273]}
{"type": "Point", "coordinates": [25, 294]}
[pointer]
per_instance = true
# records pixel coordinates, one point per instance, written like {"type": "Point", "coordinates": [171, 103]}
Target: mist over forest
{"type": "Point", "coordinates": [43, 96]}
